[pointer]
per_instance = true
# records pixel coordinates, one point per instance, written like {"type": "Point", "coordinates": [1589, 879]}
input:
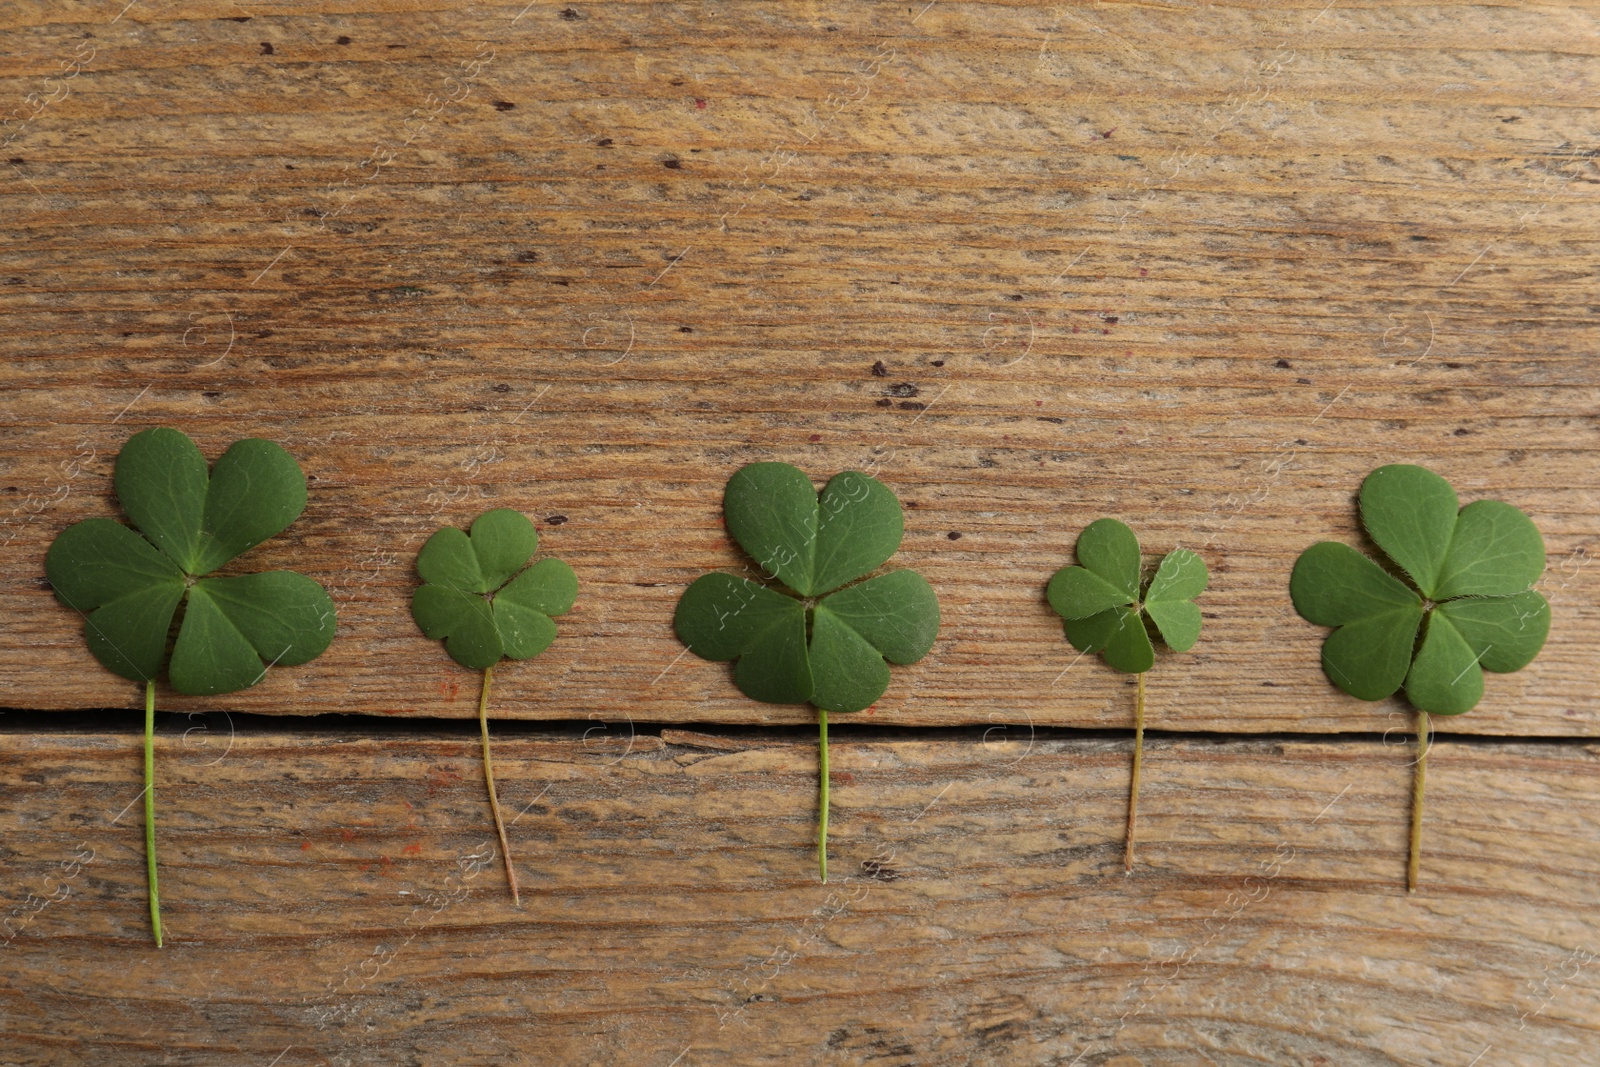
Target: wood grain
{"type": "Point", "coordinates": [1200, 268]}
{"type": "Point", "coordinates": [332, 896]}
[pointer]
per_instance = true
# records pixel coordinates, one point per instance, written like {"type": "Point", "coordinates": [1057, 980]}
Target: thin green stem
{"type": "Point", "coordinates": [822, 799]}
{"type": "Point", "coordinates": [150, 804]}
{"type": "Point", "coordinates": [1418, 780]}
{"type": "Point", "coordinates": [1138, 760]}
{"type": "Point", "coordinates": [488, 778]}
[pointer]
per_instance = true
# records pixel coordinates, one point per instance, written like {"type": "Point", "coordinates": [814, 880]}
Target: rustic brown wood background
{"type": "Point", "coordinates": [1198, 267]}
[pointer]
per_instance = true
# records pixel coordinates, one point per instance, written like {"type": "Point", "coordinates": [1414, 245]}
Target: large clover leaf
{"type": "Point", "coordinates": [832, 644]}
{"type": "Point", "coordinates": [129, 586]}
{"type": "Point", "coordinates": [829, 649]}
{"type": "Point", "coordinates": [481, 597]}
{"type": "Point", "coordinates": [1100, 601]}
{"type": "Point", "coordinates": [1103, 611]}
{"type": "Point", "coordinates": [1469, 594]}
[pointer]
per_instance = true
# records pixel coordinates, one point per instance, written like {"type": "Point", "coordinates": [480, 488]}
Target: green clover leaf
{"type": "Point", "coordinates": [832, 644]}
{"type": "Point", "coordinates": [830, 648]}
{"type": "Point", "coordinates": [1102, 611]}
{"type": "Point", "coordinates": [480, 596]}
{"type": "Point", "coordinates": [1100, 603]}
{"type": "Point", "coordinates": [130, 587]}
{"type": "Point", "coordinates": [470, 599]}
{"type": "Point", "coordinates": [130, 584]}
{"type": "Point", "coordinates": [1470, 596]}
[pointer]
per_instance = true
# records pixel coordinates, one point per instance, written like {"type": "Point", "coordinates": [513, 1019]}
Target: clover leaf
{"type": "Point", "coordinates": [806, 633]}
{"type": "Point", "coordinates": [481, 597]}
{"type": "Point", "coordinates": [130, 583]}
{"type": "Point", "coordinates": [1468, 595]}
{"type": "Point", "coordinates": [1104, 611]}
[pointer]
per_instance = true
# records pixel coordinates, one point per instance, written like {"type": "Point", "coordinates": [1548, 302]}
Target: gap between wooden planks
{"type": "Point", "coordinates": [332, 897]}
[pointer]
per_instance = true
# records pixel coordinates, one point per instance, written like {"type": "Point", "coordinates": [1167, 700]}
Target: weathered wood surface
{"type": "Point", "coordinates": [332, 896]}
{"type": "Point", "coordinates": [1197, 267]}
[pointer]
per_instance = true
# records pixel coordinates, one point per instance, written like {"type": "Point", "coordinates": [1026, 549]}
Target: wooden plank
{"type": "Point", "coordinates": [332, 896]}
{"type": "Point", "coordinates": [1197, 268]}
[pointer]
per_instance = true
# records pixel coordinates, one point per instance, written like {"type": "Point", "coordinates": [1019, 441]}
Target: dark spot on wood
{"type": "Point", "coordinates": [954, 535]}
{"type": "Point", "coordinates": [937, 363]}
{"type": "Point", "coordinates": [476, 407]}
{"type": "Point", "coordinates": [879, 870]}
{"type": "Point", "coordinates": [211, 394]}
{"type": "Point", "coordinates": [263, 333]}
{"type": "Point", "coordinates": [676, 81]}
{"type": "Point", "coordinates": [604, 142]}
{"type": "Point", "coordinates": [16, 161]}
{"type": "Point", "coordinates": [13, 281]}
{"type": "Point", "coordinates": [570, 14]}
{"type": "Point", "coordinates": [834, 29]}
{"type": "Point", "coordinates": [1455, 366]}
{"type": "Point", "coordinates": [1112, 319]}
{"type": "Point", "coordinates": [1419, 237]}
{"type": "Point", "coordinates": [527, 257]}
{"type": "Point", "coordinates": [560, 281]}
{"type": "Point", "coordinates": [912, 405]}
{"type": "Point", "coordinates": [503, 105]}
{"type": "Point", "coordinates": [1282, 364]}
{"type": "Point", "coordinates": [1300, 441]}
{"type": "Point", "coordinates": [44, 583]}
{"type": "Point", "coordinates": [815, 438]}
{"type": "Point", "coordinates": [672, 164]}
{"type": "Point", "coordinates": [555, 520]}
{"type": "Point", "coordinates": [879, 370]}
{"type": "Point", "coordinates": [885, 402]}
{"type": "Point", "coordinates": [902, 389]}
{"type": "Point", "coordinates": [1050, 418]}
{"type": "Point", "coordinates": [341, 39]}
{"type": "Point", "coordinates": [237, 18]}
{"type": "Point", "coordinates": [288, 166]}
{"type": "Point", "coordinates": [1462, 431]}
{"type": "Point", "coordinates": [266, 48]}
{"type": "Point", "coordinates": [1303, 381]}
{"type": "Point", "coordinates": [685, 329]}
{"type": "Point", "coordinates": [501, 387]}
{"type": "Point", "coordinates": [1512, 118]}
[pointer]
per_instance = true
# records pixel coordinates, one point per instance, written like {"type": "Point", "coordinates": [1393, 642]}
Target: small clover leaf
{"type": "Point", "coordinates": [1099, 602]}
{"type": "Point", "coordinates": [833, 647]}
{"type": "Point", "coordinates": [1099, 598]}
{"type": "Point", "coordinates": [1469, 605]}
{"type": "Point", "coordinates": [480, 596]}
{"type": "Point", "coordinates": [130, 583]}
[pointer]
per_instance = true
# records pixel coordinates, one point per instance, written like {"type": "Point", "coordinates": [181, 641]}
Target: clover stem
{"type": "Point", "coordinates": [1414, 862]}
{"type": "Point", "coordinates": [1138, 758]}
{"type": "Point", "coordinates": [488, 778]}
{"type": "Point", "coordinates": [150, 804]}
{"type": "Point", "coordinates": [822, 799]}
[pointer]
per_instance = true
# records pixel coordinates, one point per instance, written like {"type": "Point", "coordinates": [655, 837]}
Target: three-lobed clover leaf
{"type": "Point", "coordinates": [1471, 571]}
{"type": "Point", "coordinates": [832, 643]}
{"type": "Point", "coordinates": [1100, 601]}
{"type": "Point", "coordinates": [475, 598]}
{"type": "Point", "coordinates": [191, 521]}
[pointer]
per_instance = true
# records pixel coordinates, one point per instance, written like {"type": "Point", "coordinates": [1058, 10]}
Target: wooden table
{"type": "Point", "coordinates": [1199, 268]}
